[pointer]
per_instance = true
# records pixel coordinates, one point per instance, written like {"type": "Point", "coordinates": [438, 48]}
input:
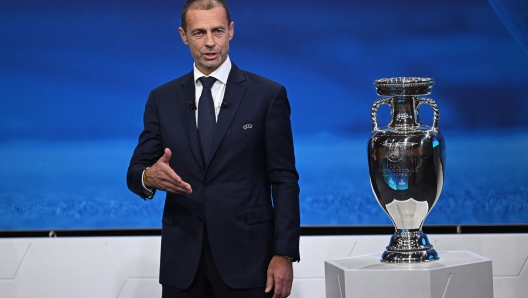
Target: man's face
{"type": "Point", "coordinates": [208, 35]}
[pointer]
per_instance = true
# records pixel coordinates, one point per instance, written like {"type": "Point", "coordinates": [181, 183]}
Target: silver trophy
{"type": "Point", "coordinates": [406, 163]}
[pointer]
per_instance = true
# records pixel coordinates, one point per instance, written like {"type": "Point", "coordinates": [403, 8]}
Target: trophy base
{"type": "Point", "coordinates": [409, 246]}
{"type": "Point", "coordinates": [409, 257]}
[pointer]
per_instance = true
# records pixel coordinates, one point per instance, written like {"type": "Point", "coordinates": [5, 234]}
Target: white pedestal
{"type": "Point", "coordinates": [456, 274]}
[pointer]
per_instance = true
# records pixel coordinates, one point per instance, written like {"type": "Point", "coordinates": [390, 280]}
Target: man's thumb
{"type": "Point", "coordinates": [167, 156]}
{"type": "Point", "coordinates": [269, 283]}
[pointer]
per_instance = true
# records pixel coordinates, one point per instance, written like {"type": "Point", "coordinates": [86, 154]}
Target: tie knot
{"type": "Point", "coordinates": [207, 82]}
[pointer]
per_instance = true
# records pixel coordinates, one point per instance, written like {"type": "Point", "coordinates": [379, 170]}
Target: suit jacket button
{"type": "Point", "coordinates": [207, 184]}
{"type": "Point", "coordinates": [200, 219]}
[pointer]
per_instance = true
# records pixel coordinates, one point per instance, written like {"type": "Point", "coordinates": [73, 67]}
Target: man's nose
{"type": "Point", "coordinates": [209, 40]}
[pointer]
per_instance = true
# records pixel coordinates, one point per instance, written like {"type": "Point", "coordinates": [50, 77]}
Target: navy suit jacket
{"type": "Point", "coordinates": [248, 195]}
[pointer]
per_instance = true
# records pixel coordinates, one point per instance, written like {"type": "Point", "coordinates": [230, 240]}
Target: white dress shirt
{"type": "Point", "coordinates": [218, 90]}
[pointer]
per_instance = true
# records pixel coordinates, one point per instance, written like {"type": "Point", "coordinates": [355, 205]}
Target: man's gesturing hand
{"type": "Point", "coordinates": [280, 277]}
{"type": "Point", "coordinates": [161, 176]}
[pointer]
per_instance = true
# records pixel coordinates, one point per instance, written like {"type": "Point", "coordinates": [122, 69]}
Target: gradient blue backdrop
{"type": "Point", "coordinates": [75, 77]}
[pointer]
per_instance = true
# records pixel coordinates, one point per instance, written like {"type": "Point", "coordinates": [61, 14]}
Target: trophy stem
{"type": "Point", "coordinates": [409, 246]}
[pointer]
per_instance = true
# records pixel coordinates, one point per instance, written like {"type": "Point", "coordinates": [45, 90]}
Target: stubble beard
{"type": "Point", "coordinates": [212, 65]}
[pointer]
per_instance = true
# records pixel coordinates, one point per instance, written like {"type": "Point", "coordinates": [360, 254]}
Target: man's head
{"type": "Point", "coordinates": [202, 5]}
{"type": "Point", "coordinates": [207, 29]}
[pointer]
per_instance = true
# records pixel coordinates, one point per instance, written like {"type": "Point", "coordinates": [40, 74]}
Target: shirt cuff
{"type": "Point", "coordinates": [147, 192]}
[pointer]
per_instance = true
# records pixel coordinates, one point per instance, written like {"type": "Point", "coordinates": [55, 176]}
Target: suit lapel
{"type": "Point", "coordinates": [188, 97]}
{"type": "Point", "coordinates": [234, 93]}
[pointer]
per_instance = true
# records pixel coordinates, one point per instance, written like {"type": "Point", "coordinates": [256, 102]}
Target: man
{"type": "Point", "coordinates": [218, 140]}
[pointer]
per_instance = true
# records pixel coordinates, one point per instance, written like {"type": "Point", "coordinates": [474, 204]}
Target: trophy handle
{"type": "Point", "coordinates": [374, 111]}
{"type": "Point", "coordinates": [433, 105]}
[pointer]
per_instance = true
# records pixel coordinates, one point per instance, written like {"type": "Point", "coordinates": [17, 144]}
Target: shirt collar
{"type": "Point", "coordinates": [221, 73]}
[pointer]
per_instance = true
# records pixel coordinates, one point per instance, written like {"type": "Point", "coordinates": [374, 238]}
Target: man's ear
{"type": "Point", "coordinates": [231, 30]}
{"type": "Point", "coordinates": [183, 36]}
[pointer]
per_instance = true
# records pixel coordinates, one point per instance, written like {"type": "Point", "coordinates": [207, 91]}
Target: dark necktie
{"type": "Point", "coordinates": [206, 117]}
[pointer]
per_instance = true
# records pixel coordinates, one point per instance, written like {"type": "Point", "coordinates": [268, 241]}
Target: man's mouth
{"type": "Point", "coordinates": [210, 56]}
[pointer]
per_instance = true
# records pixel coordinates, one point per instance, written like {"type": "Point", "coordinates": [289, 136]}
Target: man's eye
{"type": "Point", "coordinates": [197, 34]}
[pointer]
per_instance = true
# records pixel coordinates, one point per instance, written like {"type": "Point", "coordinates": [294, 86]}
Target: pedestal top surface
{"type": "Point", "coordinates": [372, 262]}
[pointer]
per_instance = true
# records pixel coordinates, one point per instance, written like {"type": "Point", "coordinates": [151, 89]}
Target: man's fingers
{"type": "Point", "coordinates": [281, 288]}
{"type": "Point", "coordinates": [176, 187]}
{"type": "Point", "coordinates": [277, 292]}
{"type": "Point", "coordinates": [178, 190]}
{"type": "Point", "coordinates": [185, 189]}
{"type": "Point", "coordinates": [171, 176]}
{"type": "Point", "coordinates": [180, 185]}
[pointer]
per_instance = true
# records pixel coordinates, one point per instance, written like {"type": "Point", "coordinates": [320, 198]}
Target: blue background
{"type": "Point", "coordinates": [75, 77]}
